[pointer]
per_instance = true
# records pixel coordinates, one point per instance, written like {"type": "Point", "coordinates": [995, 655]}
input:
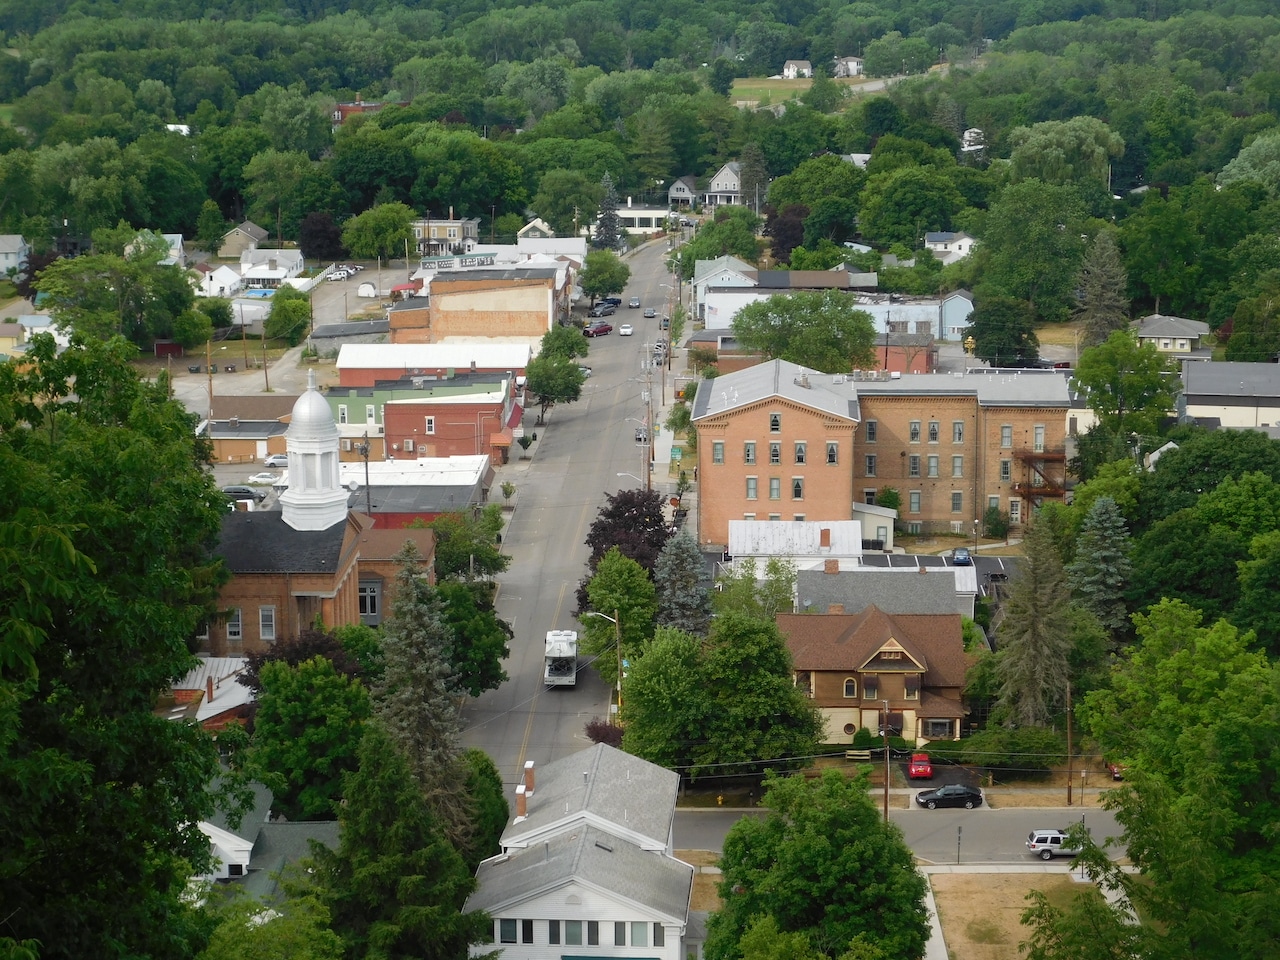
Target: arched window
{"type": "Point", "coordinates": [850, 687]}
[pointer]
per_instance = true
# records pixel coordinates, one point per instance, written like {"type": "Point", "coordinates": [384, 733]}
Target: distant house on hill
{"type": "Point", "coordinates": [245, 236]}
{"type": "Point", "coordinates": [796, 69]}
{"type": "Point", "coordinates": [847, 67]}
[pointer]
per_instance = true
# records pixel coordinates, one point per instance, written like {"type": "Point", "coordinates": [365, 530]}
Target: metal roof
{"type": "Point", "coordinates": [775, 378]}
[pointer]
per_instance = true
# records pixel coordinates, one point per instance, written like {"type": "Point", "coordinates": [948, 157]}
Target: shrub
{"type": "Point", "coordinates": [599, 730]}
{"type": "Point", "coordinates": [864, 739]}
{"type": "Point", "coordinates": [1029, 749]}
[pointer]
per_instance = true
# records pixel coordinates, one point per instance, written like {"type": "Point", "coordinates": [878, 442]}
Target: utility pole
{"type": "Point", "coordinates": [362, 448]}
{"type": "Point", "coordinates": [885, 733]}
{"type": "Point", "coordinates": [1069, 746]}
{"type": "Point", "coordinates": [617, 642]}
{"type": "Point", "coordinates": [208, 366]}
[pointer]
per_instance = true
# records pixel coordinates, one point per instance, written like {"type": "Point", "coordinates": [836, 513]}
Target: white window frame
{"type": "Point", "coordinates": [797, 488]}
{"type": "Point", "coordinates": [802, 452]}
{"type": "Point", "coordinates": [935, 431]}
{"type": "Point", "coordinates": [775, 488]}
{"type": "Point", "coordinates": [342, 413]}
{"type": "Point", "coordinates": [429, 426]}
{"type": "Point", "coordinates": [749, 452]}
{"type": "Point", "coordinates": [753, 488]}
{"type": "Point", "coordinates": [931, 466]}
{"type": "Point", "coordinates": [717, 451]}
{"type": "Point", "coordinates": [872, 428]}
{"type": "Point", "coordinates": [1015, 509]}
{"type": "Point", "coordinates": [869, 464]}
{"type": "Point", "coordinates": [1006, 436]}
{"type": "Point", "coordinates": [267, 622]}
{"type": "Point", "coordinates": [913, 431]}
{"type": "Point", "coordinates": [1006, 471]}
{"type": "Point", "coordinates": [833, 452]}
{"type": "Point", "coordinates": [775, 453]}
{"type": "Point", "coordinates": [913, 501]}
{"type": "Point", "coordinates": [370, 413]}
{"type": "Point", "coordinates": [957, 501]}
{"type": "Point", "coordinates": [957, 431]}
{"type": "Point", "coordinates": [957, 465]}
{"type": "Point", "coordinates": [235, 624]}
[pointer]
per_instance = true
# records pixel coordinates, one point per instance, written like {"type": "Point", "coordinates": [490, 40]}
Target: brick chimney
{"type": "Point", "coordinates": [522, 808]}
{"type": "Point", "coordinates": [208, 689]}
{"type": "Point", "coordinates": [830, 566]}
{"type": "Point", "coordinates": [825, 537]}
{"type": "Point", "coordinates": [835, 608]}
{"type": "Point", "coordinates": [528, 778]}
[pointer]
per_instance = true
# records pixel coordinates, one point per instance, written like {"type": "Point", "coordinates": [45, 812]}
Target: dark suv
{"type": "Point", "coordinates": [238, 492]}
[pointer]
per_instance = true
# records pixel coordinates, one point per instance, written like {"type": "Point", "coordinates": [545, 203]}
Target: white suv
{"type": "Point", "coordinates": [1047, 844]}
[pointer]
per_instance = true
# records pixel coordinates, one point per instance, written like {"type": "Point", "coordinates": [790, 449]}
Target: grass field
{"type": "Point", "coordinates": [762, 89]}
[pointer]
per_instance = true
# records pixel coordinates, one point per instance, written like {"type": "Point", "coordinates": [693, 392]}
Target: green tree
{"type": "Point", "coordinates": [289, 317]}
{"type": "Point", "coordinates": [480, 641]}
{"type": "Point", "coordinates": [467, 544]}
{"type": "Point", "coordinates": [490, 811]}
{"type": "Point", "coordinates": [608, 228]}
{"type": "Point", "coordinates": [565, 199]}
{"type": "Point", "coordinates": [1194, 712]}
{"type": "Point", "coordinates": [1183, 557]}
{"type": "Point", "coordinates": [553, 380]}
{"type": "Point", "coordinates": [665, 698]}
{"type": "Point", "coordinates": [1202, 460]}
{"type": "Point", "coordinates": [1032, 246]}
{"type": "Point", "coordinates": [732, 233]}
{"type": "Point", "coordinates": [295, 928]}
{"type": "Point", "coordinates": [621, 589]}
{"type": "Point", "coordinates": [1255, 331]}
{"type": "Point", "coordinates": [1003, 331]}
{"type": "Point", "coordinates": [821, 330]}
{"type": "Point", "coordinates": [1101, 300]}
{"type": "Point", "coordinates": [1161, 250]}
{"type": "Point", "coordinates": [319, 238]}
{"type": "Point", "coordinates": [306, 732]}
{"type": "Point", "coordinates": [108, 535]}
{"type": "Point", "coordinates": [1259, 162]}
{"type": "Point", "coordinates": [684, 602]}
{"type": "Point", "coordinates": [762, 594]}
{"type": "Point", "coordinates": [564, 341]}
{"type": "Point", "coordinates": [104, 295]}
{"type": "Point", "coordinates": [1033, 638]}
{"type": "Point", "coordinates": [827, 176]}
{"type": "Point", "coordinates": [380, 231]}
{"type": "Point", "coordinates": [192, 328]}
{"type": "Point", "coordinates": [395, 887]}
{"type": "Point", "coordinates": [823, 863]}
{"type": "Point", "coordinates": [210, 227]}
{"type": "Point", "coordinates": [415, 698]}
{"type": "Point", "coordinates": [1101, 568]}
{"type": "Point", "coordinates": [1259, 576]}
{"type": "Point", "coordinates": [901, 206]}
{"type": "Point", "coordinates": [603, 274]}
{"type": "Point", "coordinates": [824, 94]}
{"type": "Point", "coordinates": [272, 181]}
{"type": "Point", "coordinates": [1079, 151]}
{"type": "Point", "coordinates": [1125, 384]}
{"type": "Point", "coordinates": [753, 178]}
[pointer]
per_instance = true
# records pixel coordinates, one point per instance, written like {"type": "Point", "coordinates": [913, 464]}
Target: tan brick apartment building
{"type": "Point", "coordinates": [952, 445]}
{"type": "Point", "coordinates": [484, 303]}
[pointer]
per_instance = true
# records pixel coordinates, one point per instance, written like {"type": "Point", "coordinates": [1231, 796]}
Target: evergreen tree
{"type": "Point", "coordinates": [395, 887]}
{"type": "Point", "coordinates": [489, 807]}
{"type": "Point", "coordinates": [1034, 640]}
{"type": "Point", "coordinates": [680, 574]}
{"type": "Point", "coordinates": [753, 178]}
{"type": "Point", "coordinates": [1100, 571]}
{"type": "Point", "coordinates": [608, 233]}
{"type": "Point", "coordinates": [416, 698]}
{"type": "Point", "coordinates": [1101, 302]}
{"type": "Point", "coordinates": [210, 227]}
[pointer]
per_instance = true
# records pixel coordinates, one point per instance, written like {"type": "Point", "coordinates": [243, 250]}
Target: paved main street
{"type": "Point", "coordinates": [579, 455]}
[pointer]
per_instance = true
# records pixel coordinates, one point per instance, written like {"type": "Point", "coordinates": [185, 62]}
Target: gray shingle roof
{"type": "Point", "coordinates": [261, 542]}
{"type": "Point", "coordinates": [280, 845]}
{"type": "Point", "coordinates": [999, 388]}
{"type": "Point", "coordinates": [1159, 325]}
{"type": "Point", "coordinates": [892, 591]}
{"type": "Point", "coordinates": [606, 786]}
{"type": "Point", "coordinates": [590, 856]}
{"type": "Point", "coordinates": [355, 328]}
{"type": "Point", "coordinates": [775, 378]}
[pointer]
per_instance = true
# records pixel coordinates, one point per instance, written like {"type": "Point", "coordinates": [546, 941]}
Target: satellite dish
{"type": "Point", "coordinates": [353, 485]}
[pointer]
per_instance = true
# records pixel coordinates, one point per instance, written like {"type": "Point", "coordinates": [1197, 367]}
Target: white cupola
{"type": "Point", "coordinates": [315, 498]}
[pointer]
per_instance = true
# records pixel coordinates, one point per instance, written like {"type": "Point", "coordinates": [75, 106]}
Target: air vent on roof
{"type": "Point", "coordinates": [605, 847]}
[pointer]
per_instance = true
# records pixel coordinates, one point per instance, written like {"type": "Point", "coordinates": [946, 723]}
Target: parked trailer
{"type": "Point", "coordinates": [561, 661]}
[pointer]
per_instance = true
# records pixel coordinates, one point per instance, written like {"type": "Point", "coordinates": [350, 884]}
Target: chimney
{"type": "Point", "coordinates": [824, 537]}
{"type": "Point", "coordinates": [528, 778]}
{"type": "Point", "coordinates": [208, 689]}
{"type": "Point", "coordinates": [831, 566]}
{"type": "Point", "coordinates": [835, 608]}
{"type": "Point", "coordinates": [522, 808]}
{"type": "Point", "coordinates": [235, 422]}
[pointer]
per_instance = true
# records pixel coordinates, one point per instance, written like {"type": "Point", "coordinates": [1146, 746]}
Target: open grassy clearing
{"type": "Point", "coordinates": [981, 913]}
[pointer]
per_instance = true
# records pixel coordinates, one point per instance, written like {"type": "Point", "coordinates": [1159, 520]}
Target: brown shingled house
{"type": "Point", "coordinates": [851, 664]}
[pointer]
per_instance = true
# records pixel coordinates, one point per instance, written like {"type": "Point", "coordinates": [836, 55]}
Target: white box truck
{"type": "Point", "coordinates": [561, 661]}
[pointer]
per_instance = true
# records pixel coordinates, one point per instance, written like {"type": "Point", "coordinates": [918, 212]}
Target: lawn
{"type": "Point", "coordinates": [981, 914]}
{"type": "Point", "coordinates": [771, 90]}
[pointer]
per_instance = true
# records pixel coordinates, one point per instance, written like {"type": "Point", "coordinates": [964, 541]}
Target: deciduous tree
{"type": "Point", "coordinates": [1126, 384]}
{"type": "Point", "coordinates": [632, 521]}
{"type": "Point", "coordinates": [553, 379]}
{"type": "Point", "coordinates": [294, 928]}
{"type": "Point", "coordinates": [380, 231]}
{"type": "Point", "coordinates": [620, 588]}
{"type": "Point", "coordinates": [1003, 331]}
{"type": "Point", "coordinates": [823, 863]}
{"type": "Point", "coordinates": [819, 330]}
{"type": "Point", "coordinates": [603, 274]}
{"type": "Point", "coordinates": [480, 638]}
{"type": "Point", "coordinates": [467, 544]}
{"type": "Point", "coordinates": [564, 341]}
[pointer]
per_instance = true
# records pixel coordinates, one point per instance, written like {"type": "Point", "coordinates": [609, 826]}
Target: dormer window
{"type": "Point", "coordinates": [775, 423]}
{"type": "Point", "coordinates": [891, 654]}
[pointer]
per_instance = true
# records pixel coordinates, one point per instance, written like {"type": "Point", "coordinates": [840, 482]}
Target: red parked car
{"type": "Point", "coordinates": [920, 768]}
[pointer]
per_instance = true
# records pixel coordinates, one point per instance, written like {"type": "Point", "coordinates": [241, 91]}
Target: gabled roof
{"type": "Point", "coordinates": [249, 228]}
{"type": "Point", "coordinates": [280, 845]}
{"type": "Point", "coordinates": [612, 790]}
{"type": "Point", "coordinates": [649, 881]}
{"type": "Point", "coordinates": [845, 642]}
{"type": "Point", "coordinates": [689, 180]}
{"type": "Point", "coordinates": [228, 692]}
{"type": "Point", "coordinates": [1159, 325]}
{"type": "Point", "coordinates": [705, 268]}
{"type": "Point", "coordinates": [802, 279]}
{"type": "Point", "coordinates": [12, 243]}
{"type": "Point", "coordinates": [775, 378]}
{"type": "Point", "coordinates": [945, 237]}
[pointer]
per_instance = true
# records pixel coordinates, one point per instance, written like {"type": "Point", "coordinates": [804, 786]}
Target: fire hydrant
{"type": "Point", "coordinates": [720, 800]}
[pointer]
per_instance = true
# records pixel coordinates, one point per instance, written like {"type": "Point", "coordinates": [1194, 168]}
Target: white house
{"type": "Point", "coordinates": [177, 250]}
{"type": "Point", "coordinates": [1240, 396]}
{"type": "Point", "coordinates": [221, 282]}
{"type": "Point", "coordinates": [1174, 335]}
{"type": "Point", "coordinates": [537, 228]}
{"type": "Point", "coordinates": [683, 192]}
{"type": "Point", "coordinates": [270, 268]}
{"type": "Point", "coordinates": [949, 247]}
{"type": "Point", "coordinates": [725, 186]}
{"type": "Point", "coordinates": [847, 67]}
{"type": "Point", "coordinates": [796, 69]}
{"type": "Point", "coordinates": [14, 251]}
{"type": "Point", "coordinates": [809, 544]}
{"type": "Point", "coordinates": [586, 866]}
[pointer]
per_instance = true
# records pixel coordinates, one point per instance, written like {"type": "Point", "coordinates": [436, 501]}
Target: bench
{"type": "Point", "coordinates": [861, 756]}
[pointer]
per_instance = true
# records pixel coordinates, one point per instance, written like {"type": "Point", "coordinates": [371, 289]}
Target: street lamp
{"type": "Point", "coordinates": [645, 439]}
{"type": "Point", "coordinates": [886, 760]}
{"type": "Point", "coordinates": [616, 620]}
{"type": "Point", "coordinates": [632, 476]}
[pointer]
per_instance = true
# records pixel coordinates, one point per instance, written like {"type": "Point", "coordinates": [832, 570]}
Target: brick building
{"type": "Point", "coordinates": [312, 559]}
{"type": "Point", "coordinates": [484, 303]}
{"type": "Point", "coordinates": [776, 441]}
{"type": "Point", "coordinates": [364, 364]}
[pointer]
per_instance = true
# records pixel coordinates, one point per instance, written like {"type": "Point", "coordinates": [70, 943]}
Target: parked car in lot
{"type": "Point", "coordinates": [598, 329]}
{"type": "Point", "coordinates": [634, 303]}
{"type": "Point", "coordinates": [586, 371]}
{"type": "Point", "coordinates": [267, 478]}
{"type": "Point", "coordinates": [237, 491]}
{"type": "Point", "coordinates": [626, 330]}
{"type": "Point", "coordinates": [338, 275]}
{"type": "Point", "coordinates": [952, 795]}
{"type": "Point", "coordinates": [961, 557]}
{"type": "Point", "coordinates": [1047, 844]}
{"type": "Point", "coordinates": [276, 461]}
{"type": "Point", "coordinates": [920, 768]}
{"type": "Point", "coordinates": [603, 309]}
{"type": "Point", "coordinates": [616, 301]}
{"type": "Point", "coordinates": [650, 313]}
